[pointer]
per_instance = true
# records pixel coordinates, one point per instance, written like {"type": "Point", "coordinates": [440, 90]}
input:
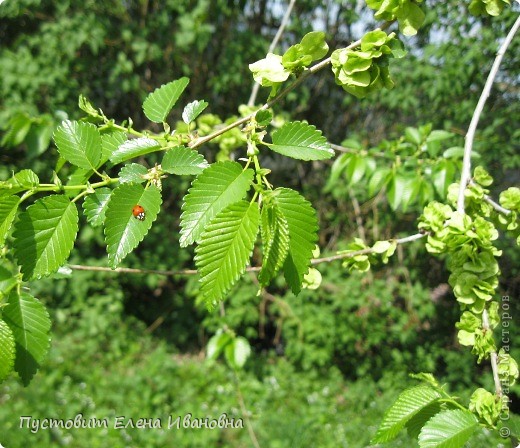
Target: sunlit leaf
{"type": "Point", "coordinates": [123, 232]}
{"type": "Point", "coordinates": [160, 102]}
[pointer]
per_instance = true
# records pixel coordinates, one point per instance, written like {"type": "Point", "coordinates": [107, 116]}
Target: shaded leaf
{"type": "Point", "coordinates": [44, 235]}
{"type": "Point", "coordinates": [225, 249]}
{"type": "Point", "coordinates": [303, 226]}
{"type": "Point", "coordinates": [160, 102]}
{"type": "Point", "coordinates": [218, 186]}
{"type": "Point", "coordinates": [30, 325]}
{"type": "Point", "coordinates": [409, 403]}
{"type": "Point", "coordinates": [123, 232]}
{"type": "Point", "coordinates": [8, 207]}
{"type": "Point", "coordinates": [7, 350]}
{"type": "Point", "coordinates": [275, 240]}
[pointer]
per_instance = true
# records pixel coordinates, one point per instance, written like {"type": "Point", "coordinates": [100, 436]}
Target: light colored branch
{"type": "Point", "coordinates": [496, 206]}
{"type": "Point", "coordinates": [470, 136]}
{"type": "Point", "coordinates": [466, 169]}
{"type": "Point", "coordinates": [277, 37]}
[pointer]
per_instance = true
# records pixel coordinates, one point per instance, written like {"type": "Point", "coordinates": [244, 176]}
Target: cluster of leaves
{"type": "Point", "coordinates": [488, 7]}
{"type": "Point", "coordinates": [435, 418]}
{"type": "Point", "coordinates": [363, 255]}
{"type": "Point", "coordinates": [407, 12]}
{"type": "Point", "coordinates": [413, 170]}
{"type": "Point", "coordinates": [274, 69]}
{"type": "Point", "coordinates": [364, 70]}
{"type": "Point", "coordinates": [215, 215]}
{"type": "Point", "coordinates": [468, 238]}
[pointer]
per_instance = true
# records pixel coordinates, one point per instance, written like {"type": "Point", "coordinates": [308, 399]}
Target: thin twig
{"type": "Point", "coordinates": [184, 272]}
{"type": "Point", "coordinates": [494, 204]}
{"type": "Point", "coordinates": [470, 136]}
{"type": "Point", "coordinates": [277, 37]}
{"type": "Point", "coordinates": [245, 413]}
{"type": "Point", "coordinates": [493, 355]}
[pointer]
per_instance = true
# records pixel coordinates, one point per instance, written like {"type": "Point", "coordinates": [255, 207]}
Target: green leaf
{"type": "Point", "coordinates": [275, 240]}
{"type": "Point", "coordinates": [356, 168]}
{"type": "Point", "coordinates": [225, 249]}
{"type": "Point", "coordinates": [395, 191]}
{"type": "Point", "coordinates": [302, 141]}
{"type": "Point", "coordinates": [86, 106]}
{"type": "Point", "coordinates": [303, 226]}
{"type": "Point", "coordinates": [193, 110]}
{"type": "Point", "coordinates": [39, 137]}
{"type": "Point", "coordinates": [79, 143]}
{"type": "Point", "coordinates": [17, 129]}
{"type": "Point", "coordinates": [134, 148]}
{"type": "Point", "coordinates": [95, 206]}
{"type": "Point", "coordinates": [269, 71]}
{"type": "Point", "coordinates": [123, 232]}
{"type": "Point", "coordinates": [217, 344]}
{"type": "Point", "coordinates": [314, 44]}
{"type": "Point", "coordinates": [160, 102]}
{"type": "Point", "coordinates": [378, 180]}
{"type": "Point", "coordinates": [455, 152]}
{"type": "Point", "coordinates": [416, 423]}
{"type": "Point", "coordinates": [312, 280]}
{"type": "Point", "coordinates": [413, 135]}
{"type": "Point", "coordinates": [443, 175]}
{"type": "Point", "coordinates": [133, 172]}
{"type": "Point", "coordinates": [263, 117]}
{"type": "Point", "coordinates": [30, 324]}
{"type": "Point", "coordinates": [448, 429]}
{"type": "Point", "coordinates": [21, 181]}
{"type": "Point", "coordinates": [8, 206]}
{"type": "Point", "coordinates": [237, 352]}
{"type": "Point", "coordinates": [7, 281]}
{"type": "Point", "coordinates": [183, 161]}
{"type": "Point", "coordinates": [110, 143]}
{"type": "Point", "coordinates": [410, 17]}
{"type": "Point", "coordinates": [409, 403]}
{"type": "Point", "coordinates": [218, 186]}
{"type": "Point", "coordinates": [7, 350]}
{"type": "Point", "coordinates": [44, 235]}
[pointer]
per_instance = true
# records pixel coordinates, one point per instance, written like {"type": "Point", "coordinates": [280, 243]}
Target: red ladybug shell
{"type": "Point", "coordinates": [138, 212]}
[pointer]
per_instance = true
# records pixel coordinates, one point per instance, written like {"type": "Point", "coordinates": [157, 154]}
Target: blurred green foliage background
{"type": "Point", "coordinates": [325, 364]}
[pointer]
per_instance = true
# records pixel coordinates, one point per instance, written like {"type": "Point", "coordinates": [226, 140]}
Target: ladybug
{"type": "Point", "coordinates": [138, 212]}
